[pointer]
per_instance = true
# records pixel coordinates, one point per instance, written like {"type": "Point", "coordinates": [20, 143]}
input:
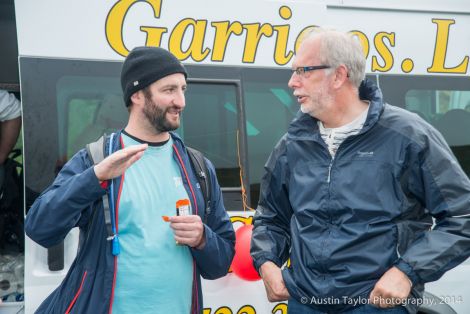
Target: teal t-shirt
{"type": "Point", "coordinates": [154, 275]}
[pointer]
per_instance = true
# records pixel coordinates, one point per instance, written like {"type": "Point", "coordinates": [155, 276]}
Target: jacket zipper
{"type": "Point", "coordinates": [349, 138]}
{"type": "Point", "coordinates": [69, 308]}
{"type": "Point", "coordinates": [328, 180]}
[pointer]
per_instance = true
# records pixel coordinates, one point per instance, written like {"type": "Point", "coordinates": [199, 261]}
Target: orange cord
{"type": "Point", "coordinates": [244, 197]}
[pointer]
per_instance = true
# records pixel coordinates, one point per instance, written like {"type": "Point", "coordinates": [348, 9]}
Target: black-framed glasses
{"type": "Point", "coordinates": [301, 70]}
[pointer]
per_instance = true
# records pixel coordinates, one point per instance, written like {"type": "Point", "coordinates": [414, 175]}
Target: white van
{"type": "Point", "coordinates": [238, 55]}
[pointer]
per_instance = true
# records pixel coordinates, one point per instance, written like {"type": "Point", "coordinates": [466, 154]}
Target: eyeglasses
{"type": "Point", "coordinates": [301, 70]}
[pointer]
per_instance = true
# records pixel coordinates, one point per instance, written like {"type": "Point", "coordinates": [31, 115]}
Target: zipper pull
{"type": "Point", "coordinates": [115, 245]}
{"type": "Point", "coordinates": [329, 170]}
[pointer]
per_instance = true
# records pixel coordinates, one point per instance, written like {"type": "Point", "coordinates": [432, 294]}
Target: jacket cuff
{"type": "Point", "coordinates": [94, 184]}
{"type": "Point", "coordinates": [266, 258]}
{"type": "Point", "coordinates": [408, 270]}
{"type": "Point", "coordinates": [104, 185]}
{"type": "Point", "coordinates": [208, 235]}
{"type": "Point", "coordinates": [204, 239]}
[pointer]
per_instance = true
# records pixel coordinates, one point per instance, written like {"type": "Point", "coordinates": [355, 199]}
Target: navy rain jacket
{"type": "Point", "coordinates": [345, 221]}
{"type": "Point", "coordinates": [74, 200]}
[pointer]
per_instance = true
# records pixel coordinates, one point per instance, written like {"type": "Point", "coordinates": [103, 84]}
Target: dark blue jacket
{"type": "Point", "coordinates": [345, 221]}
{"type": "Point", "coordinates": [74, 200]}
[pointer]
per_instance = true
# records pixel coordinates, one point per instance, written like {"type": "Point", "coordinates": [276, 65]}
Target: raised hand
{"type": "Point", "coordinates": [116, 164]}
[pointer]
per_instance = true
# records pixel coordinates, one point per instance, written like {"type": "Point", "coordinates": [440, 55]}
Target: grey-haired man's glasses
{"type": "Point", "coordinates": [301, 70]}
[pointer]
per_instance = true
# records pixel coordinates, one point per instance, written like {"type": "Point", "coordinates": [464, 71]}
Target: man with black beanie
{"type": "Point", "coordinates": [149, 264]}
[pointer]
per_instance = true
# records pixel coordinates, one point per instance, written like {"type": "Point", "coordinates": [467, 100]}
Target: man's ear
{"type": "Point", "coordinates": [341, 76]}
{"type": "Point", "coordinates": [138, 97]}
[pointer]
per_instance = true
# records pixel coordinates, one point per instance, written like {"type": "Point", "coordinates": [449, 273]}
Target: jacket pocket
{"type": "Point", "coordinates": [77, 294]}
{"type": "Point", "coordinates": [408, 231]}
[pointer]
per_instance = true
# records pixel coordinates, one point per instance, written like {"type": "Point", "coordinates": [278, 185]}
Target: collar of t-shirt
{"type": "Point", "coordinates": [145, 142]}
{"type": "Point", "coordinates": [333, 137]}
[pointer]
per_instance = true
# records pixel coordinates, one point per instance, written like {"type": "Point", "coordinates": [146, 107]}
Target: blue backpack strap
{"type": "Point", "coordinates": [97, 152]}
{"type": "Point", "coordinates": [202, 174]}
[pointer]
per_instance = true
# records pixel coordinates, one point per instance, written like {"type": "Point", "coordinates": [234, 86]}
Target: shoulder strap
{"type": "Point", "coordinates": [97, 152]}
{"type": "Point", "coordinates": [200, 168]}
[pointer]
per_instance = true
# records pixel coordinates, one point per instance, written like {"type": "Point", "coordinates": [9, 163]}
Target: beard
{"type": "Point", "coordinates": [318, 102]}
{"type": "Point", "coordinates": [157, 117]}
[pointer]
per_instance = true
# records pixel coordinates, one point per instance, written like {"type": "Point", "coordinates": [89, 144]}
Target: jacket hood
{"type": "Point", "coordinates": [305, 126]}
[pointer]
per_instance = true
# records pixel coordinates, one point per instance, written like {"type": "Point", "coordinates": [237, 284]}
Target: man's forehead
{"type": "Point", "coordinates": [308, 53]}
{"type": "Point", "coordinates": [176, 79]}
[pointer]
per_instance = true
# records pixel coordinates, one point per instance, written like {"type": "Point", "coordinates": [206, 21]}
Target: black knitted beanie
{"type": "Point", "coordinates": [145, 65]}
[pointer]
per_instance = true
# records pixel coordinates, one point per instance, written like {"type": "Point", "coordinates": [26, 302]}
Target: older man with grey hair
{"type": "Point", "coordinates": [350, 193]}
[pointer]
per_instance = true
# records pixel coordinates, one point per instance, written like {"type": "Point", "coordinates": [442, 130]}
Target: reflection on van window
{"type": "Point", "coordinates": [269, 107]}
{"type": "Point", "coordinates": [449, 112]}
{"type": "Point", "coordinates": [87, 107]}
{"type": "Point", "coordinates": [209, 124]}
{"type": "Point", "coordinates": [431, 105]}
{"type": "Point", "coordinates": [90, 118]}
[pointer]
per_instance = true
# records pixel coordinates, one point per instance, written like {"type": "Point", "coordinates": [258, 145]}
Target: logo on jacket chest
{"type": "Point", "coordinates": [365, 154]}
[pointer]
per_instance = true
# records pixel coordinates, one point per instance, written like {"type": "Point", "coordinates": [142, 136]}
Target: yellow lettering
{"type": "Point", "coordinates": [243, 220]}
{"type": "Point", "coordinates": [363, 40]}
{"type": "Point", "coordinates": [440, 50]}
{"type": "Point", "coordinates": [197, 41]}
{"type": "Point", "coordinates": [223, 310]}
{"type": "Point", "coordinates": [281, 308]}
{"type": "Point", "coordinates": [407, 65]}
{"type": "Point", "coordinates": [154, 35]}
{"type": "Point", "coordinates": [207, 310]}
{"type": "Point", "coordinates": [281, 45]}
{"type": "Point", "coordinates": [115, 21]}
{"type": "Point", "coordinates": [280, 56]}
{"type": "Point", "coordinates": [253, 36]}
{"type": "Point", "coordinates": [383, 51]}
{"type": "Point", "coordinates": [223, 31]}
{"type": "Point", "coordinates": [247, 309]}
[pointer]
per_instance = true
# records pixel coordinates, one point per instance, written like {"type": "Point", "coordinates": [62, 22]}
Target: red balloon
{"type": "Point", "coordinates": [242, 264]}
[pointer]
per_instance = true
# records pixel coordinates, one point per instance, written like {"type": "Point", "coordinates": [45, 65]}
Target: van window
{"type": "Point", "coordinates": [269, 107]}
{"type": "Point", "coordinates": [87, 107]}
{"type": "Point", "coordinates": [210, 123]}
{"type": "Point", "coordinates": [442, 102]}
{"type": "Point", "coordinates": [431, 105]}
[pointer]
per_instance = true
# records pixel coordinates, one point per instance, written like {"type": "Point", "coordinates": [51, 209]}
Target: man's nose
{"type": "Point", "coordinates": [293, 81]}
{"type": "Point", "coordinates": [180, 99]}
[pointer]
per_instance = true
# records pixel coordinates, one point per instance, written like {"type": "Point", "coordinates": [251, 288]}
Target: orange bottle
{"type": "Point", "coordinates": [183, 207]}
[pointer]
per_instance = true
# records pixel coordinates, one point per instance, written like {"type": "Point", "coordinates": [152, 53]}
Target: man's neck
{"type": "Point", "coordinates": [343, 113]}
{"type": "Point", "coordinates": [147, 135]}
